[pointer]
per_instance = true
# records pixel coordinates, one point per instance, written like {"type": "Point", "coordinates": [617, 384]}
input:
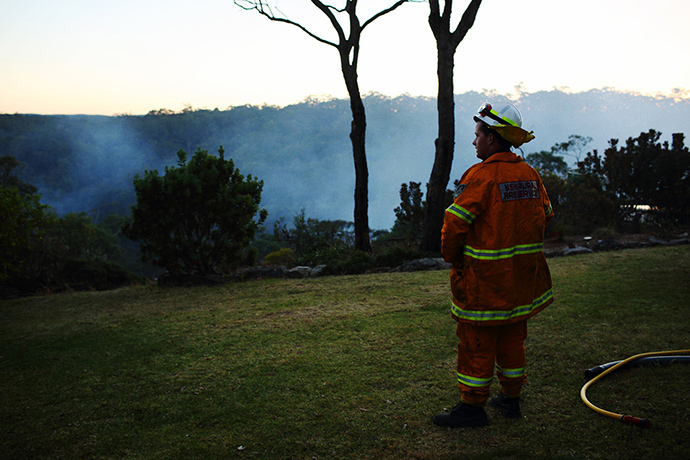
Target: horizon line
{"type": "Point", "coordinates": [677, 94]}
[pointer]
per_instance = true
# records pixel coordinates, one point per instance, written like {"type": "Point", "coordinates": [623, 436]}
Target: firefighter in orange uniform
{"type": "Point", "coordinates": [493, 235]}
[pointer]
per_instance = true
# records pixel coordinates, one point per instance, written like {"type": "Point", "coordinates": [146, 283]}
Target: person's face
{"type": "Point", "coordinates": [482, 142]}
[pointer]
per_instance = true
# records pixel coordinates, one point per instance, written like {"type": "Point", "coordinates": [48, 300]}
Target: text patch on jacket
{"type": "Point", "coordinates": [523, 190]}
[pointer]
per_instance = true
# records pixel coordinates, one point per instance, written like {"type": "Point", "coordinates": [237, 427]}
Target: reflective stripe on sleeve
{"type": "Point", "coordinates": [501, 315]}
{"type": "Point", "coordinates": [462, 213]}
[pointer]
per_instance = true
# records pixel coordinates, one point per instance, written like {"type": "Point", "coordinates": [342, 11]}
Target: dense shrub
{"type": "Point", "coordinates": [357, 263]}
{"type": "Point", "coordinates": [199, 217]}
{"type": "Point", "coordinates": [395, 256]}
{"type": "Point", "coordinates": [283, 256]}
{"type": "Point", "coordinates": [315, 241]}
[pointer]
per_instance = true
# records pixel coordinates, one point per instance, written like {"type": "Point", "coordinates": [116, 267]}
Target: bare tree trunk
{"type": "Point", "coordinates": [358, 137]}
{"type": "Point", "coordinates": [446, 44]}
{"type": "Point", "coordinates": [445, 146]}
{"type": "Point", "coordinates": [362, 242]}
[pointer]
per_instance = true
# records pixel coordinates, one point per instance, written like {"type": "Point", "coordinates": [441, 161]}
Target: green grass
{"type": "Point", "coordinates": [339, 368]}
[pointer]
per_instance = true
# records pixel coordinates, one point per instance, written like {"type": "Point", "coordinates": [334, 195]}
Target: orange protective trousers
{"type": "Point", "coordinates": [481, 349]}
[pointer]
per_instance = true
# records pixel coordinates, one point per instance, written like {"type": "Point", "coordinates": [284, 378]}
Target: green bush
{"type": "Point", "coordinates": [357, 263]}
{"type": "Point", "coordinates": [199, 218]}
{"type": "Point", "coordinates": [23, 220]}
{"type": "Point", "coordinates": [395, 256]}
{"type": "Point", "coordinates": [283, 256]}
{"type": "Point", "coordinates": [315, 241]}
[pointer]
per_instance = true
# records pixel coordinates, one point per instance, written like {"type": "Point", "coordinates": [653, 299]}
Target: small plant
{"type": "Point", "coordinates": [283, 256]}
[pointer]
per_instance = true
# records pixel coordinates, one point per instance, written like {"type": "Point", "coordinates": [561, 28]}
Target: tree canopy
{"type": "Point", "coordinates": [548, 162]}
{"type": "Point", "coordinates": [647, 172]}
{"type": "Point", "coordinates": [612, 189]}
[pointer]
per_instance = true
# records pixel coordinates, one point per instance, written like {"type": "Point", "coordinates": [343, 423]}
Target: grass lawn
{"type": "Point", "coordinates": [339, 368]}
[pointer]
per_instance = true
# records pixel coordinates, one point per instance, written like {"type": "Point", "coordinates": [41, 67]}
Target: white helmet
{"type": "Point", "coordinates": [508, 115]}
{"type": "Point", "coordinates": [507, 122]}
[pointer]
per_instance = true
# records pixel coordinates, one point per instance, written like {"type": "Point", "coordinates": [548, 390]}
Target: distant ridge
{"type": "Point", "coordinates": [302, 151]}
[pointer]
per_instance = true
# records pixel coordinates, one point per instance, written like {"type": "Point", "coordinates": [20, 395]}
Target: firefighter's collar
{"type": "Point", "coordinates": [504, 156]}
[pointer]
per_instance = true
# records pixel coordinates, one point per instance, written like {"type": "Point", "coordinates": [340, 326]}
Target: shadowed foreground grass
{"type": "Point", "coordinates": [338, 368]}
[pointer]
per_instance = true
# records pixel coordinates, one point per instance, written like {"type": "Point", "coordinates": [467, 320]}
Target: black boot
{"type": "Point", "coordinates": [463, 415]}
{"type": "Point", "coordinates": [509, 406]}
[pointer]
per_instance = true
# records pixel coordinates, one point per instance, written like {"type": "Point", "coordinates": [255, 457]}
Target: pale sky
{"type": "Point", "coordinates": [111, 57]}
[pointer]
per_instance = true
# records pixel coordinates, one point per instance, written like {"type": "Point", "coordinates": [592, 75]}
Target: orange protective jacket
{"type": "Point", "coordinates": [493, 235]}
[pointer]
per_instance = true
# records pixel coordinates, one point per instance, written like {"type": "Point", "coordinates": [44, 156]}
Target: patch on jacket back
{"type": "Point", "coordinates": [524, 190]}
{"type": "Point", "coordinates": [458, 190]}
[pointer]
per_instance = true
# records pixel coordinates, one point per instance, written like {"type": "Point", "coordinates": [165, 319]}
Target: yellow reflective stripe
{"type": "Point", "coordinates": [462, 213]}
{"type": "Point", "coordinates": [505, 253]}
{"type": "Point", "coordinates": [511, 122]}
{"type": "Point", "coordinates": [474, 381]}
{"type": "Point", "coordinates": [501, 315]}
{"type": "Point", "coordinates": [511, 373]}
{"type": "Point", "coordinates": [549, 210]}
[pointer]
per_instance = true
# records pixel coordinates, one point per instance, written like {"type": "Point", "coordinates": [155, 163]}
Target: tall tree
{"type": "Point", "coordinates": [447, 42]}
{"type": "Point", "coordinates": [409, 216]}
{"type": "Point", "coordinates": [347, 45]}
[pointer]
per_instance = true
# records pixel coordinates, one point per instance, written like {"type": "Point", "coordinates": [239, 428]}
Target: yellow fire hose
{"type": "Point", "coordinates": [643, 423]}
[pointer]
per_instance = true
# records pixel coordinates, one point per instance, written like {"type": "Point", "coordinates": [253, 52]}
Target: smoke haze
{"type": "Point", "coordinates": [302, 152]}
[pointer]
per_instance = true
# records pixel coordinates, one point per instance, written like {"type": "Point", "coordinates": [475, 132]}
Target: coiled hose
{"type": "Point", "coordinates": [598, 372]}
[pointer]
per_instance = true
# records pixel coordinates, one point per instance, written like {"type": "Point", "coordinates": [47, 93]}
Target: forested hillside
{"type": "Point", "coordinates": [302, 152]}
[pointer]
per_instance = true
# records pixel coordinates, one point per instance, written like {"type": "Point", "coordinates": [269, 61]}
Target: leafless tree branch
{"type": "Point", "coordinates": [386, 11]}
{"type": "Point", "coordinates": [325, 9]}
{"type": "Point", "coordinates": [265, 10]}
{"type": "Point", "coordinates": [467, 20]}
